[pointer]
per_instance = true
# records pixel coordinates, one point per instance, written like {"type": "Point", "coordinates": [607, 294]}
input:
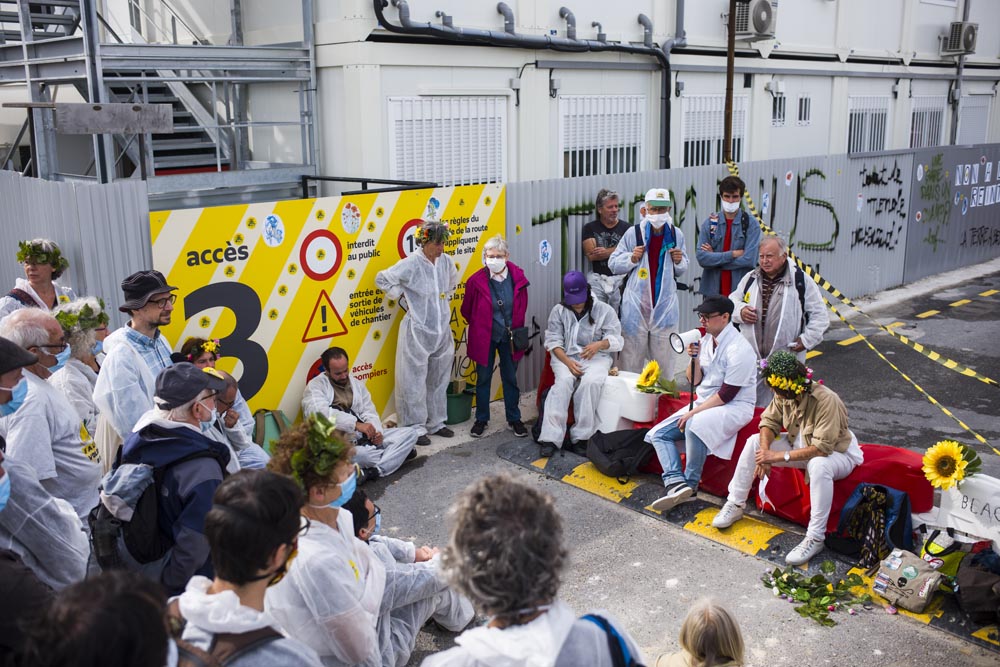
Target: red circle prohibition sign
{"type": "Point", "coordinates": [320, 273]}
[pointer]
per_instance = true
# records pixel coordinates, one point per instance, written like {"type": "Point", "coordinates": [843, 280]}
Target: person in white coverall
{"type": "Point", "coordinates": [331, 596]}
{"type": "Point", "coordinates": [345, 400]}
{"type": "Point", "coordinates": [581, 335]}
{"type": "Point", "coordinates": [506, 553]}
{"type": "Point", "coordinates": [771, 314]}
{"type": "Point", "coordinates": [725, 372]}
{"type": "Point", "coordinates": [425, 348]}
{"type": "Point", "coordinates": [415, 591]}
{"type": "Point", "coordinates": [652, 254]}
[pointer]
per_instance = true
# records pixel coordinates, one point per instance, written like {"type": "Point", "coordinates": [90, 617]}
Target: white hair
{"type": "Point", "coordinates": [81, 341]}
{"type": "Point", "coordinates": [775, 238]}
{"type": "Point", "coordinates": [27, 327]}
{"type": "Point", "coordinates": [497, 243]}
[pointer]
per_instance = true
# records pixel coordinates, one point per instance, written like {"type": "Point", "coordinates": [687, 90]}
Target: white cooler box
{"type": "Point", "coordinates": [622, 405]}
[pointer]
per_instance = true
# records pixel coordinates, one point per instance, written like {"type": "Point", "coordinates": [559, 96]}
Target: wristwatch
{"type": "Point", "coordinates": [788, 456]}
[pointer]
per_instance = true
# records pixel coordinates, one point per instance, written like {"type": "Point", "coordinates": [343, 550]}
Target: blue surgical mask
{"type": "Point", "coordinates": [98, 347]}
{"type": "Point", "coordinates": [18, 393]}
{"type": "Point", "coordinates": [378, 523]}
{"type": "Point", "coordinates": [205, 426]}
{"type": "Point", "coordinates": [60, 359]}
{"type": "Point", "coordinates": [4, 490]}
{"type": "Point", "coordinates": [346, 491]}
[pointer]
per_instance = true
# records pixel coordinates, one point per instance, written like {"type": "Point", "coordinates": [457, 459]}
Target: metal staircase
{"type": "Point", "coordinates": [208, 157]}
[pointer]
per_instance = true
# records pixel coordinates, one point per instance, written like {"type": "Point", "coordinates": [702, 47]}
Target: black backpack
{"type": "Point", "coordinates": [800, 287]}
{"type": "Point", "coordinates": [620, 454]}
{"type": "Point", "coordinates": [141, 535]}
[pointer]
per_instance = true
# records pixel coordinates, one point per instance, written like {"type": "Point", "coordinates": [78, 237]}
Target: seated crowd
{"type": "Point", "coordinates": [123, 456]}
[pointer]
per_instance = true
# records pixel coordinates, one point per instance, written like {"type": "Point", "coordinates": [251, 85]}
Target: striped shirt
{"type": "Point", "coordinates": [154, 351]}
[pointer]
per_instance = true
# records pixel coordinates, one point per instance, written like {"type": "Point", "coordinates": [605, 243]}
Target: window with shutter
{"type": "Point", "coordinates": [601, 134]}
{"type": "Point", "coordinates": [927, 120]}
{"type": "Point", "coordinates": [974, 119]}
{"type": "Point", "coordinates": [703, 129]}
{"type": "Point", "coordinates": [867, 123]}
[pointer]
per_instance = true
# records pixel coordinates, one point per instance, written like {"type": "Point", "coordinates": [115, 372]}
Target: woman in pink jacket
{"type": "Point", "coordinates": [494, 304]}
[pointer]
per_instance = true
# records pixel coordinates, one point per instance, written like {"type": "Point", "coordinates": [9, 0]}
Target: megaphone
{"type": "Point", "coordinates": [680, 342]}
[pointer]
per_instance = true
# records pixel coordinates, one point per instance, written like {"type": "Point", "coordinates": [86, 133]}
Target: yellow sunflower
{"type": "Point", "coordinates": [944, 464]}
{"type": "Point", "coordinates": [650, 374]}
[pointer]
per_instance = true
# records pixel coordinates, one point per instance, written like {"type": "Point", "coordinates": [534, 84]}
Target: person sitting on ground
{"type": "Point", "coordinates": [114, 618]}
{"type": "Point", "coordinates": [344, 399]}
{"type": "Point", "coordinates": [725, 372]}
{"type": "Point", "coordinates": [204, 353]}
{"type": "Point", "coordinates": [85, 324]}
{"type": "Point", "coordinates": [171, 437]}
{"type": "Point", "coordinates": [581, 335]}
{"type": "Point", "coordinates": [43, 264]}
{"type": "Point", "coordinates": [330, 597]}
{"type": "Point", "coordinates": [227, 430]}
{"type": "Point", "coordinates": [817, 440]}
{"type": "Point", "coordinates": [710, 637]}
{"type": "Point", "coordinates": [414, 589]}
{"type": "Point", "coordinates": [252, 530]}
{"type": "Point", "coordinates": [506, 553]}
{"type": "Point", "coordinates": [45, 432]}
{"type": "Point", "coordinates": [494, 304]}
{"type": "Point", "coordinates": [425, 348]}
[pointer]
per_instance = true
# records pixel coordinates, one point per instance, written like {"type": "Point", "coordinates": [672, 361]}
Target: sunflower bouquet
{"type": "Point", "coordinates": [650, 382]}
{"type": "Point", "coordinates": [948, 463]}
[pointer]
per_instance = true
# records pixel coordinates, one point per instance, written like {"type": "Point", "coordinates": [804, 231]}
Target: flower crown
{"type": "Point", "coordinates": [324, 449]}
{"type": "Point", "coordinates": [422, 234]}
{"type": "Point", "coordinates": [781, 371]}
{"type": "Point", "coordinates": [212, 346]}
{"type": "Point", "coordinates": [83, 320]}
{"type": "Point", "coordinates": [39, 255]}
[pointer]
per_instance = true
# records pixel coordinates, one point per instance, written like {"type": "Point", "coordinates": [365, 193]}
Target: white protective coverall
{"type": "Point", "coordinates": [645, 327]}
{"type": "Point", "coordinates": [786, 306]}
{"type": "Point", "coordinates": [534, 644]}
{"type": "Point", "coordinates": [125, 385]}
{"type": "Point", "coordinates": [210, 614]}
{"type": "Point", "coordinates": [46, 433]}
{"type": "Point", "coordinates": [572, 335]}
{"type": "Point", "coordinates": [329, 599]}
{"type": "Point", "coordinates": [396, 442]}
{"type": "Point", "coordinates": [9, 304]}
{"type": "Point", "coordinates": [76, 381]}
{"type": "Point", "coordinates": [731, 362]}
{"type": "Point", "coordinates": [44, 531]}
{"type": "Point", "coordinates": [425, 348]}
{"type": "Point", "coordinates": [414, 593]}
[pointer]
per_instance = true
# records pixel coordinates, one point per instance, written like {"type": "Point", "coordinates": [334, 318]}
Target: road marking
{"type": "Point", "coordinates": [989, 292]}
{"type": "Point", "coordinates": [927, 314]}
{"type": "Point", "coordinates": [812, 353]}
{"type": "Point", "coordinates": [589, 478]}
{"type": "Point", "coordinates": [960, 302]}
{"type": "Point", "coordinates": [859, 337]}
{"type": "Point", "coordinates": [746, 535]}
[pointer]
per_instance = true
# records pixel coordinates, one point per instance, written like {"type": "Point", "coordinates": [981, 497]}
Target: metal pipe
{"type": "Point", "coordinates": [956, 91]}
{"type": "Point", "coordinates": [647, 30]}
{"type": "Point", "coordinates": [565, 13]}
{"type": "Point", "coordinates": [601, 36]}
{"type": "Point", "coordinates": [678, 40]}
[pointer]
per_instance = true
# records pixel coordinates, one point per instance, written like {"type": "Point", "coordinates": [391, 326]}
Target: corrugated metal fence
{"type": "Point", "coordinates": [102, 229]}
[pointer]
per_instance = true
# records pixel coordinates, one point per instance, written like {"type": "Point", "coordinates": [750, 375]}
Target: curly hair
{"type": "Point", "coordinates": [309, 452]}
{"type": "Point", "coordinates": [506, 548]}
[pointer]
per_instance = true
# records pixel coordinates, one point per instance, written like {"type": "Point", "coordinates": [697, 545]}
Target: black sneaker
{"type": "Point", "coordinates": [423, 441]}
{"type": "Point", "coordinates": [546, 449]}
{"type": "Point", "coordinates": [519, 429]}
{"type": "Point", "coordinates": [478, 429]}
{"type": "Point", "coordinates": [444, 432]}
{"type": "Point", "coordinates": [368, 475]}
{"type": "Point", "coordinates": [579, 448]}
{"type": "Point", "coordinates": [412, 455]}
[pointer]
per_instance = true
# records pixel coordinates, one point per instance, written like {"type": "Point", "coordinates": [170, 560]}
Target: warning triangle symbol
{"type": "Point", "coordinates": [325, 321]}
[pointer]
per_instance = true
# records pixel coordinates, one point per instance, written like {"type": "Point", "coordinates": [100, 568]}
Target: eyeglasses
{"type": "Point", "coordinates": [374, 514]}
{"type": "Point", "coordinates": [100, 329]}
{"type": "Point", "coordinates": [227, 404]}
{"type": "Point", "coordinates": [57, 348]}
{"type": "Point", "coordinates": [304, 528]}
{"type": "Point", "coordinates": [702, 317]}
{"type": "Point", "coordinates": [162, 303]}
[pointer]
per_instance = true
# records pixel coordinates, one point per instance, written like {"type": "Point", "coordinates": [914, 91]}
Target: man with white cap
{"type": "Point", "coordinates": [653, 255]}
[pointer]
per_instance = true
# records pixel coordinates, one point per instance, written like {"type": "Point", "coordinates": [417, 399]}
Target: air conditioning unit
{"type": "Point", "coordinates": [755, 19]}
{"type": "Point", "coordinates": [960, 40]}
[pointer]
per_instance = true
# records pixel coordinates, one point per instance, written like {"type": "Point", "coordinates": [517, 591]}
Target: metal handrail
{"type": "Point", "coordinates": [364, 181]}
{"type": "Point", "coordinates": [14, 146]}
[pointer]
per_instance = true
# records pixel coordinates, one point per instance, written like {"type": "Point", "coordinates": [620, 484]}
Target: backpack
{"type": "Point", "coordinates": [874, 521]}
{"type": "Point", "coordinates": [128, 517]}
{"type": "Point", "coordinates": [617, 646]}
{"type": "Point", "coordinates": [800, 287]}
{"type": "Point", "coordinates": [979, 589]}
{"type": "Point", "coordinates": [226, 647]}
{"type": "Point", "coordinates": [621, 453]}
{"type": "Point", "coordinates": [268, 426]}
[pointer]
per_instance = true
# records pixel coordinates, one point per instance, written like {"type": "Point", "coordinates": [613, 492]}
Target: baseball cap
{"type": "Point", "coordinates": [574, 288]}
{"type": "Point", "coordinates": [715, 304]}
{"type": "Point", "coordinates": [181, 383]}
{"type": "Point", "coordinates": [658, 197]}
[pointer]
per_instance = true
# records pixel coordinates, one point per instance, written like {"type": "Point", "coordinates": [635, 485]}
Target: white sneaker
{"type": "Point", "coordinates": [728, 515]}
{"type": "Point", "coordinates": [805, 550]}
{"type": "Point", "coordinates": [674, 497]}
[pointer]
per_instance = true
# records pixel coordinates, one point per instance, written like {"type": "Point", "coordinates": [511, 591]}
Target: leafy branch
{"type": "Point", "coordinates": [817, 595]}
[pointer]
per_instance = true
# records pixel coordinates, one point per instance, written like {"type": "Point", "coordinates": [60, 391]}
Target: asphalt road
{"type": "Point", "coordinates": [647, 572]}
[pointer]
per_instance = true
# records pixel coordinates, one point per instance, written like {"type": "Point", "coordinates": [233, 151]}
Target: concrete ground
{"type": "Point", "coordinates": [647, 572]}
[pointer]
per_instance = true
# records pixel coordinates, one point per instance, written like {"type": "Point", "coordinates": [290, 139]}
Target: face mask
{"type": "Point", "coordinates": [378, 523]}
{"type": "Point", "coordinates": [18, 392]}
{"type": "Point", "coordinates": [730, 206]}
{"type": "Point", "coordinates": [657, 220]}
{"type": "Point", "coordinates": [346, 491]}
{"type": "Point", "coordinates": [208, 424]}
{"type": "Point", "coordinates": [5, 491]}
{"type": "Point", "coordinates": [98, 348]}
{"type": "Point", "coordinates": [60, 360]}
{"type": "Point", "coordinates": [496, 264]}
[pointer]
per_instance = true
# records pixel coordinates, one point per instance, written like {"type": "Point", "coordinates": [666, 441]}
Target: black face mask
{"type": "Point", "coordinates": [279, 574]}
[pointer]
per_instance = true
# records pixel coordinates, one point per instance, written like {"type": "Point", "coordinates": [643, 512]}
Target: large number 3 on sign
{"type": "Point", "coordinates": [245, 304]}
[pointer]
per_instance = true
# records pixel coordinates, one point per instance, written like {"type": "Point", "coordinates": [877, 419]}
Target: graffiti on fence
{"type": "Point", "coordinates": [882, 197]}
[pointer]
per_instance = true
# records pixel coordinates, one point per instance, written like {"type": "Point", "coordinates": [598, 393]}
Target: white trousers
{"type": "Point", "coordinates": [422, 375]}
{"type": "Point", "coordinates": [585, 392]}
{"type": "Point", "coordinates": [823, 472]}
{"type": "Point", "coordinates": [646, 345]}
{"type": "Point", "coordinates": [396, 444]}
{"type": "Point", "coordinates": [450, 609]}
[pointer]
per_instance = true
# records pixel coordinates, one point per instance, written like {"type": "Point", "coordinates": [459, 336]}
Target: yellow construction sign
{"type": "Point", "coordinates": [279, 282]}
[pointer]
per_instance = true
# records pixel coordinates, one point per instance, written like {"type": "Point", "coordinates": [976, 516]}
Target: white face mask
{"type": "Point", "coordinates": [657, 220]}
{"type": "Point", "coordinates": [730, 206]}
{"type": "Point", "coordinates": [496, 264]}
